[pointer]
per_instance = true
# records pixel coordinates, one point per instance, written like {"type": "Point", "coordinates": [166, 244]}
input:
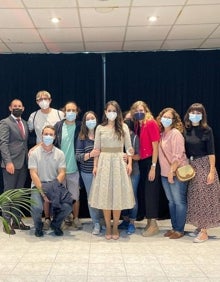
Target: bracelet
{"type": "Point", "coordinates": [89, 156]}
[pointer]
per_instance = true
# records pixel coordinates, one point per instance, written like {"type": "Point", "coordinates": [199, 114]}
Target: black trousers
{"type": "Point", "coordinates": [149, 191]}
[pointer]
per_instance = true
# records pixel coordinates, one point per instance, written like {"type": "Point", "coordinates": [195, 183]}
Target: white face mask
{"type": "Point", "coordinates": [111, 116]}
{"type": "Point", "coordinates": [44, 104]}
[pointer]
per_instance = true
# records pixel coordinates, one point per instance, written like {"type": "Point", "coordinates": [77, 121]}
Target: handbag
{"type": "Point", "coordinates": [183, 173]}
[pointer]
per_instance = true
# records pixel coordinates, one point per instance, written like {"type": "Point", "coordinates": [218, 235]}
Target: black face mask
{"type": "Point", "coordinates": [17, 112]}
{"type": "Point", "coordinates": [129, 123]}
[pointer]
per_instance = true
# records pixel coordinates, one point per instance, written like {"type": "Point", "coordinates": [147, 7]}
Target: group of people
{"type": "Point", "coordinates": [113, 159]}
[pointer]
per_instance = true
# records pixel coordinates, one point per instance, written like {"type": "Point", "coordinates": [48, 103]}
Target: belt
{"type": "Point", "coordinates": [111, 150]}
{"type": "Point", "coordinates": [192, 158]}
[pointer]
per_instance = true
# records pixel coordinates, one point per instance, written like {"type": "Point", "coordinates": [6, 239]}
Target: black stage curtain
{"type": "Point", "coordinates": [167, 79]}
{"type": "Point", "coordinates": [162, 79]}
{"type": "Point", "coordinates": [76, 77]}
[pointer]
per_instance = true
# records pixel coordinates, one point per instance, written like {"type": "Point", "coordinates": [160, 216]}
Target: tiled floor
{"type": "Point", "coordinates": [80, 256]}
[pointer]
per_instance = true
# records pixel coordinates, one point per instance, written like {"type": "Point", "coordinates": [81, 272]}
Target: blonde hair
{"type": "Point", "coordinates": [148, 114]}
{"type": "Point", "coordinates": [42, 93]}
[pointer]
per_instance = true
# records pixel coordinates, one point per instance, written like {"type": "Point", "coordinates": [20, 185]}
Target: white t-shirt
{"type": "Point", "coordinates": [38, 120]}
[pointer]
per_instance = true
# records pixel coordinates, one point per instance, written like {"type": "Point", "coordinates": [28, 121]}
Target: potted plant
{"type": "Point", "coordinates": [19, 199]}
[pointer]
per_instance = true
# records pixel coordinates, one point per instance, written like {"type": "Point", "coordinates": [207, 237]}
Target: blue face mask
{"type": "Point", "coordinates": [91, 123]}
{"type": "Point", "coordinates": [70, 116]}
{"type": "Point", "coordinates": [48, 140]}
{"type": "Point", "coordinates": [139, 115]}
{"type": "Point", "coordinates": [166, 122]}
{"type": "Point", "coordinates": [195, 118]}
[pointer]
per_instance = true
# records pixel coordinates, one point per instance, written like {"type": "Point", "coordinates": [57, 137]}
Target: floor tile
{"type": "Point", "coordinates": [90, 258]}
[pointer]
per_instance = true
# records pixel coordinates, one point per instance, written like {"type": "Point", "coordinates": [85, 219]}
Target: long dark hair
{"type": "Point", "coordinates": [118, 121]}
{"type": "Point", "coordinates": [83, 134]}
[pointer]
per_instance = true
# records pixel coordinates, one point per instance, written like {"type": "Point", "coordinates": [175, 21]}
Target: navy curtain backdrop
{"type": "Point", "coordinates": [175, 79]}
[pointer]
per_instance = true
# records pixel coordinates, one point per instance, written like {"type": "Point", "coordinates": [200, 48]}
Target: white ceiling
{"type": "Point", "coordinates": [108, 25]}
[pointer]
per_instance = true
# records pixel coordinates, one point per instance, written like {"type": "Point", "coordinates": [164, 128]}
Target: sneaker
{"type": "Point", "coordinates": [77, 222]}
{"type": "Point", "coordinates": [123, 225]}
{"type": "Point", "coordinates": [39, 233]}
{"type": "Point", "coordinates": [202, 237]}
{"type": "Point", "coordinates": [131, 229]}
{"type": "Point", "coordinates": [58, 232]}
{"type": "Point", "coordinates": [96, 229]}
{"type": "Point", "coordinates": [102, 224]}
{"type": "Point", "coordinates": [195, 233]}
{"type": "Point", "coordinates": [46, 224]}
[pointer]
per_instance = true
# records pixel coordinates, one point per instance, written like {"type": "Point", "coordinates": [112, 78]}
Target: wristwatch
{"type": "Point", "coordinates": [154, 164]}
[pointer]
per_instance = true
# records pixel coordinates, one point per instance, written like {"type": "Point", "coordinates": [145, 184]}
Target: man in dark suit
{"type": "Point", "coordinates": [13, 147]}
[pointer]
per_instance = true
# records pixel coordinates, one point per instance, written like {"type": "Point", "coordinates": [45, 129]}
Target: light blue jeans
{"type": "Point", "coordinates": [95, 214]}
{"type": "Point", "coordinates": [132, 213]}
{"type": "Point", "coordinates": [176, 194]}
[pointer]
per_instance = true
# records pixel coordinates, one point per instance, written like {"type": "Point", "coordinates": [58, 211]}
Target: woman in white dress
{"type": "Point", "coordinates": [111, 187]}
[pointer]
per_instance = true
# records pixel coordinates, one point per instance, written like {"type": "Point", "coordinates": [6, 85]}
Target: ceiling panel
{"type": "Point", "coordinates": [216, 33]}
{"type": "Point", "coordinates": [109, 3]}
{"type": "Point", "coordinates": [142, 45]}
{"type": "Point", "coordinates": [108, 25]}
{"type": "Point", "coordinates": [103, 46]}
{"type": "Point", "coordinates": [91, 18]}
{"type": "Point", "coordinates": [181, 44]}
{"type": "Point", "coordinates": [61, 35]}
{"type": "Point", "coordinates": [147, 32]}
{"type": "Point", "coordinates": [28, 47]}
{"type": "Point", "coordinates": [104, 34]}
{"type": "Point", "coordinates": [60, 47]}
{"type": "Point", "coordinates": [158, 2]}
{"type": "Point", "coordinates": [211, 43]}
{"type": "Point", "coordinates": [15, 18]}
{"type": "Point", "coordinates": [191, 31]}
{"type": "Point", "coordinates": [166, 15]}
{"type": "Point", "coordinates": [4, 49]}
{"type": "Point", "coordinates": [49, 3]}
{"type": "Point", "coordinates": [42, 17]}
{"type": "Point", "coordinates": [19, 35]}
{"type": "Point", "coordinates": [200, 14]}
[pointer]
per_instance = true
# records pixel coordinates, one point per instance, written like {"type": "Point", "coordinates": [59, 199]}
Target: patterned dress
{"type": "Point", "coordinates": [111, 187]}
{"type": "Point", "coordinates": [203, 199]}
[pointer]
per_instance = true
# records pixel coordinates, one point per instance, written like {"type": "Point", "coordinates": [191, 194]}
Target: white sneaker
{"type": "Point", "coordinates": [96, 229]}
{"type": "Point", "coordinates": [195, 233]}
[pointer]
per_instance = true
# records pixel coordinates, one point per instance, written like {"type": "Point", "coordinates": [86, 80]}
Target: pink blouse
{"type": "Point", "coordinates": [172, 143]}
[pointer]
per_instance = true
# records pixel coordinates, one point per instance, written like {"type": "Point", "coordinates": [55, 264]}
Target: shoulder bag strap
{"type": "Point", "coordinates": [165, 154]}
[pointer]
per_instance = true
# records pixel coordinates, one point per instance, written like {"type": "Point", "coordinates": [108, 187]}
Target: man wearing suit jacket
{"type": "Point", "coordinates": [13, 147]}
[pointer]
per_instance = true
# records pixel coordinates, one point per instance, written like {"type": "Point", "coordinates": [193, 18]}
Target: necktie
{"type": "Point", "coordinates": [21, 129]}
